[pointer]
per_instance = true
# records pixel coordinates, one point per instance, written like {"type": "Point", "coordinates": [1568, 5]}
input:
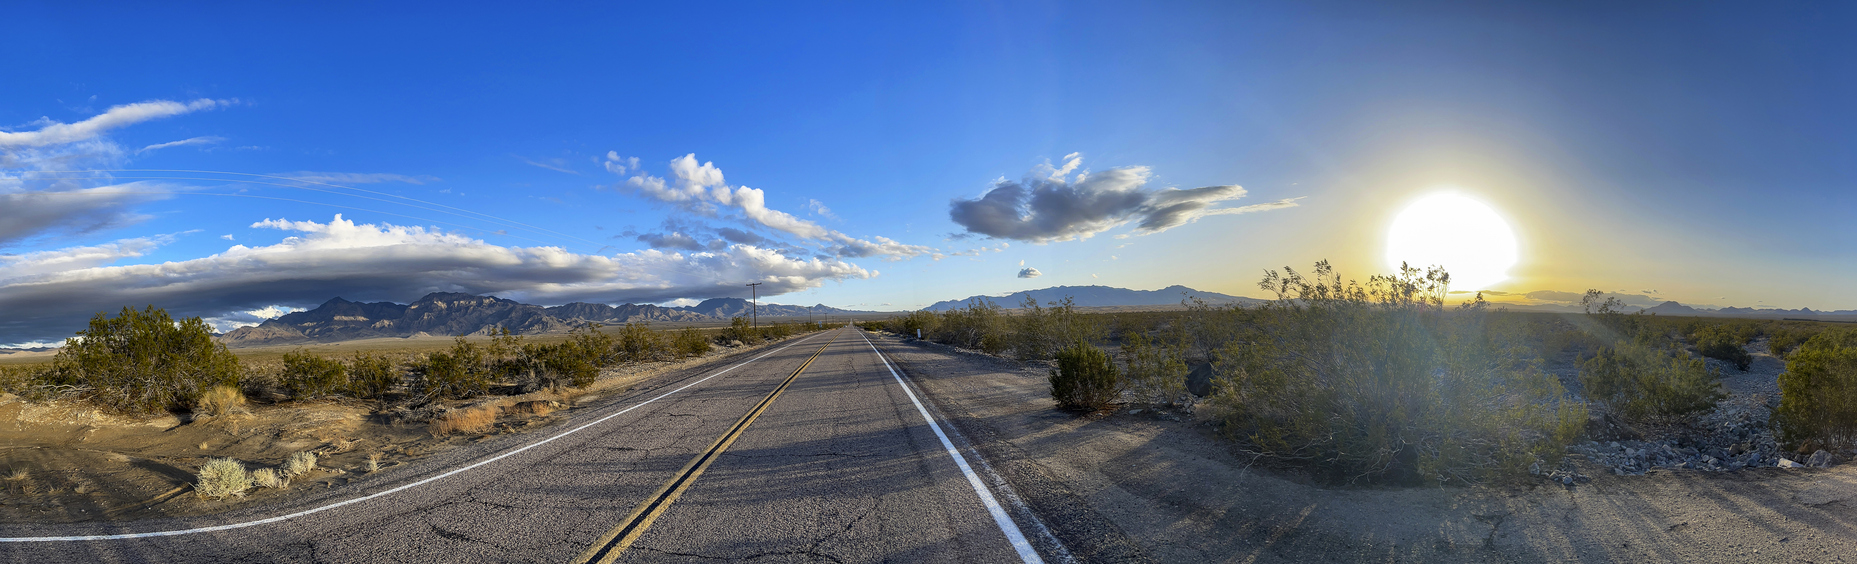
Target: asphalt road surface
{"type": "Point", "coordinates": [839, 466]}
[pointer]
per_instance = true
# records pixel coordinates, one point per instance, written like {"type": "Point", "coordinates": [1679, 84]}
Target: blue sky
{"type": "Point", "coordinates": [1664, 151]}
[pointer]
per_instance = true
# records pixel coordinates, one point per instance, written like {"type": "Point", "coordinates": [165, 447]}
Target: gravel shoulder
{"type": "Point", "coordinates": [1163, 487]}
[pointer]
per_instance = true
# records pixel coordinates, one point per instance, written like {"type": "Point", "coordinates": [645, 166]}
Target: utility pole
{"type": "Point", "coordinates": [754, 310]}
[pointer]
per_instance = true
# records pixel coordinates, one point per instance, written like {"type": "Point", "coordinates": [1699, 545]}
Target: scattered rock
{"type": "Point", "coordinates": [1820, 459]}
{"type": "Point", "coordinates": [1786, 463]}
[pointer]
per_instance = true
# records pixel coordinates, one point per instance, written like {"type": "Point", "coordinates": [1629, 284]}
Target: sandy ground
{"type": "Point", "coordinates": [1163, 487]}
{"type": "Point", "coordinates": [66, 462]}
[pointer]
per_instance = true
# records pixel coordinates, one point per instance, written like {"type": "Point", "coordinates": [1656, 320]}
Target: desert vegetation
{"type": "Point", "coordinates": [145, 362]}
{"type": "Point", "coordinates": [1381, 382]}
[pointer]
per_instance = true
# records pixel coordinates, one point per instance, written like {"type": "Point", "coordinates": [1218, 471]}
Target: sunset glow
{"type": "Point", "coordinates": [1464, 235]}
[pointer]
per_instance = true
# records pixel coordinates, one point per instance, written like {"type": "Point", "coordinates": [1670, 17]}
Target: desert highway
{"type": "Point", "coordinates": [810, 450]}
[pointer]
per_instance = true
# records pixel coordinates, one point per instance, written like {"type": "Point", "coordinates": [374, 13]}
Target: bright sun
{"type": "Point", "coordinates": [1466, 236]}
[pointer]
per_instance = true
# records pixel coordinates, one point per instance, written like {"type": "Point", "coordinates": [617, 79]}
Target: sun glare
{"type": "Point", "coordinates": [1464, 235]}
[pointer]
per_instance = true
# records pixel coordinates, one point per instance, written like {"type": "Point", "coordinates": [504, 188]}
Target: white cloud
{"type": "Point", "coordinates": [702, 189]}
{"type": "Point", "coordinates": [1030, 273]}
{"type": "Point", "coordinates": [379, 262]}
{"type": "Point", "coordinates": [54, 133]}
{"type": "Point", "coordinates": [208, 140]}
{"type": "Point", "coordinates": [1048, 206]}
{"type": "Point", "coordinates": [247, 318]}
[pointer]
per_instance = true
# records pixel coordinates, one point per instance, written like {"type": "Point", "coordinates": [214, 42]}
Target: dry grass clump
{"type": "Point", "coordinates": [219, 401]}
{"type": "Point", "coordinates": [373, 463]}
{"type": "Point", "coordinates": [268, 478]}
{"type": "Point", "coordinates": [474, 420]}
{"type": "Point", "coordinates": [299, 464]}
{"type": "Point", "coordinates": [537, 407]}
{"type": "Point", "coordinates": [222, 477]}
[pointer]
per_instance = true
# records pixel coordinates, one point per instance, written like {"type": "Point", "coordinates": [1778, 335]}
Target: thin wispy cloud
{"type": "Point", "coordinates": [1062, 204]}
{"type": "Point", "coordinates": [208, 140]}
{"type": "Point", "coordinates": [557, 165]}
{"type": "Point", "coordinates": [357, 177]}
{"type": "Point", "coordinates": [55, 133]}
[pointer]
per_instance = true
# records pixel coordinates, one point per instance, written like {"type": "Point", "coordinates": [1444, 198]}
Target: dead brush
{"type": "Point", "coordinates": [220, 401]}
{"type": "Point", "coordinates": [469, 421]}
{"type": "Point", "coordinates": [373, 463]}
{"type": "Point", "coordinates": [268, 478]}
{"type": "Point", "coordinates": [221, 478]}
{"type": "Point", "coordinates": [537, 407]}
{"type": "Point", "coordinates": [299, 464]}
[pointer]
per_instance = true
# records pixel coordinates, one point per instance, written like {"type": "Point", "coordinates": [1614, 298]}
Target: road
{"type": "Point", "coordinates": [839, 466]}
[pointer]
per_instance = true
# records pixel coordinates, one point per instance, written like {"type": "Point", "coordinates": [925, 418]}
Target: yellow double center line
{"type": "Point", "coordinates": [609, 545]}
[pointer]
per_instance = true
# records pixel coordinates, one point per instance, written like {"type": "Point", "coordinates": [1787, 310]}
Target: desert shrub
{"type": "Point", "coordinates": [371, 376]}
{"type": "Point", "coordinates": [995, 343]}
{"type": "Point", "coordinates": [474, 420]}
{"type": "Point", "coordinates": [688, 343]}
{"type": "Point", "coordinates": [1722, 343]}
{"type": "Point", "coordinates": [373, 464]}
{"type": "Point", "coordinates": [1156, 372]}
{"type": "Point", "coordinates": [222, 477]}
{"type": "Point", "coordinates": [923, 321]}
{"type": "Point", "coordinates": [567, 364]}
{"type": "Point", "coordinates": [1642, 383]}
{"type": "Point", "coordinates": [456, 373]}
{"type": "Point", "coordinates": [268, 478]}
{"type": "Point", "coordinates": [306, 375]}
{"type": "Point", "coordinates": [1085, 378]}
{"type": "Point", "coordinates": [144, 361]}
{"type": "Point", "coordinates": [970, 325]}
{"type": "Point", "coordinates": [1038, 332]}
{"type": "Point", "coordinates": [1782, 340]}
{"type": "Point", "coordinates": [219, 401]}
{"type": "Point", "coordinates": [1379, 382]}
{"type": "Point", "coordinates": [299, 464]}
{"type": "Point", "coordinates": [739, 330]}
{"type": "Point", "coordinates": [1818, 392]}
{"type": "Point", "coordinates": [638, 343]}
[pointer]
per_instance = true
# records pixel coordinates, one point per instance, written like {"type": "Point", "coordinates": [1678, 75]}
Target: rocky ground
{"type": "Point", "coordinates": [1734, 436]}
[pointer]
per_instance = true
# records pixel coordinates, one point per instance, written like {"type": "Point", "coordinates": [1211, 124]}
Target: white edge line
{"type": "Point", "coordinates": [398, 488]}
{"type": "Point", "coordinates": [1024, 547]}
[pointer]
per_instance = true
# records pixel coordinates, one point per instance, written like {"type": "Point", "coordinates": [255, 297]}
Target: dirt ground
{"type": "Point", "coordinates": [67, 462]}
{"type": "Point", "coordinates": [1162, 486]}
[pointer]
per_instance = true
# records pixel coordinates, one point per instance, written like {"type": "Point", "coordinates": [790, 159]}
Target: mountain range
{"type": "Point", "coordinates": [1099, 296]}
{"type": "Point", "coordinates": [445, 314]}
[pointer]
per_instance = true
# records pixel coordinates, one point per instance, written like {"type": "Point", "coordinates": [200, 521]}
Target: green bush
{"type": "Point", "coordinates": [1818, 392]}
{"type": "Point", "coordinates": [1379, 382]}
{"type": "Point", "coordinates": [689, 342]}
{"type": "Point", "coordinates": [460, 372]}
{"type": "Point", "coordinates": [1038, 332]}
{"type": "Point", "coordinates": [1156, 372]}
{"type": "Point", "coordinates": [739, 330]}
{"type": "Point", "coordinates": [144, 361]}
{"type": "Point", "coordinates": [306, 376]}
{"type": "Point", "coordinates": [371, 376]}
{"type": "Point", "coordinates": [1723, 344]}
{"type": "Point", "coordinates": [1782, 340]}
{"type": "Point", "coordinates": [638, 343]}
{"type": "Point", "coordinates": [1085, 378]}
{"type": "Point", "coordinates": [1642, 383]}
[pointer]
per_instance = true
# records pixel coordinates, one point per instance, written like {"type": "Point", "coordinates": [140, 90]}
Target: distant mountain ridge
{"type": "Point", "coordinates": [448, 313]}
{"type": "Point", "coordinates": [1099, 296]}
